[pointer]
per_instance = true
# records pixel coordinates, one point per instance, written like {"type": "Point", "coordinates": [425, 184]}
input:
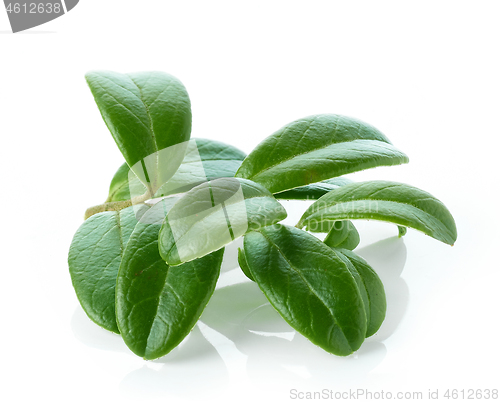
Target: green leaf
{"type": "Point", "coordinates": [309, 285]}
{"type": "Point", "coordinates": [242, 261]}
{"type": "Point", "coordinates": [401, 231]}
{"type": "Point", "coordinates": [342, 235]}
{"type": "Point", "coordinates": [146, 113]}
{"type": "Point", "coordinates": [204, 160]}
{"type": "Point", "coordinates": [320, 227]}
{"type": "Point", "coordinates": [214, 214]}
{"type": "Point", "coordinates": [394, 202]}
{"type": "Point", "coordinates": [316, 148]}
{"type": "Point", "coordinates": [119, 189]}
{"type": "Point", "coordinates": [157, 305]}
{"type": "Point", "coordinates": [313, 191]}
{"type": "Point", "coordinates": [94, 258]}
{"type": "Point", "coordinates": [370, 286]}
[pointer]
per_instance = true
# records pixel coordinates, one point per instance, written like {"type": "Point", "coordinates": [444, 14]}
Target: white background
{"type": "Point", "coordinates": [425, 73]}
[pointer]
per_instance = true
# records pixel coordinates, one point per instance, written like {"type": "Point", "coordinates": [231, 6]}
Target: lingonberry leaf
{"type": "Point", "coordinates": [394, 202]}
{"type": "Point", "coordinates": [371, 287]}
{"type": "Point", "coordinates": [242, 261]}
{"type": "Point", "coordinates": [309, 285]}
{"type": "Point", "coordinates": [343, 234]}
{"type": "Point", "coordinates": [149, 116]}
{"type": "Point", "coordinates": [316, 148]}
{"type": "Point", "coordinates": [157, 305]}
{"type": "Point", "coordinates": [94, 258]}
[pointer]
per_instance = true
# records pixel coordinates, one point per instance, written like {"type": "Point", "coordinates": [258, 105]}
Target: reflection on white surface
{"type": "Point", "coordinates": [235, 360]}
{"type": "Point", "coordinates": [190, 370]}
{"type": "Point", "coordinates": [240, 337]}
{"type": "Point", "coordinates": [284, 335]}
{"type": "Point", "coordinates": [258, 331]}
{"type": "Point", "coordinates": [93, 335]}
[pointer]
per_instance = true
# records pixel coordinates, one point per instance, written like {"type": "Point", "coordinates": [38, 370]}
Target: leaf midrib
{"type": "Point", "coordinates": [148, 113]}
{"type": "Point", "coordinates": [259, 173]}
{"type": "Point", "coordinates": [147, 228]}
{"type": "Point", "coordinates": [123, 105]}
{"type": "Point", "coordinates": [368, 296]}
{"type": "Point", "coordinates": [152, 132]}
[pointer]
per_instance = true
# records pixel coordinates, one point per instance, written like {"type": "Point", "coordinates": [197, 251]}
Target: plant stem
{"type": "Point", "coordinates": [116, 206]}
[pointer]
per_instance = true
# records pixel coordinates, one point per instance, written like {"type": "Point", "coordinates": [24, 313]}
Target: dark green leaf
{"type": "Point", "coordinates": [94, 258]}
{"type": "Point", "coordinates": [394, 202]}
{"type": "Point", "coordinates": [149, 116]}
{"type": "Point", "coordinates": [309, 285]}
{"type": "Point", "coordinates": [157, 305]}
{"type": "Point", "coordinates": [242, 261]}
{"type": "Point", "coordinates": [316, 148]}
{"type": "Point", "coordinates": [343, 235]}
{"type": "Point", "coordinates": [313, 191]}
{"type": "Point", "coordinates": [372, 287]}
{"type": "Point", "coordinates": [214, 214]}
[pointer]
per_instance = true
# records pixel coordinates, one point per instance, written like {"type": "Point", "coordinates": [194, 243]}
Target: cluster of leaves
{"type": "Point", "coordinates": [145, 263]}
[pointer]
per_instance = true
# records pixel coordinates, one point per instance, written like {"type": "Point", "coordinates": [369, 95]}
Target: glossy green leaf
{"type": "Point", "coordinates": [204, 160]}
{"type": "Point", "coordinates": [309, 285]}
{"type": "Point", "coordinates": [394, 202]}
{"type": "Point", "coordinates": [157, 305]}
{"type": "Point", "coordinates": [214, 214]}
{"type": "Point", "coordinates": [313, 191]}
{"type": "Point", "coordinates": [242, 261]}
{"type": "Point", "coordinates": [119, 189]}
{"type": "Point", "coordinates": [372, 287]}
{"type": "Point", "coordinates": [342, 235]}
{"type": "Point", "coordinates": [94, 258]}
{"type": "Point", "coordinates": [316, 148]}
{"type": "Point", "coordinates": [146, 113]}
